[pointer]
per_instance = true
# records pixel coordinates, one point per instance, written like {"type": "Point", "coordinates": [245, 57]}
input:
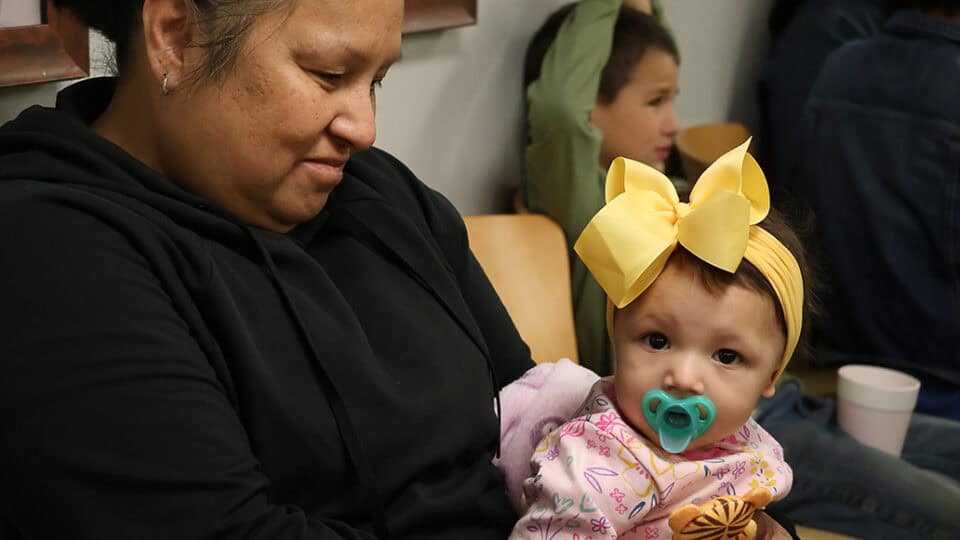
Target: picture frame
{"type": "Point", "coordinates": [54, 50]}
{"type": "Point", "coordinates": [425, 15]}
{"type": "Point", "coordinates": [57, 48]}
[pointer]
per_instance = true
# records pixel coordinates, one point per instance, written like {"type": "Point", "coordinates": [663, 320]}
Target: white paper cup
{"type": "Point", "coordinates": [874, 405]}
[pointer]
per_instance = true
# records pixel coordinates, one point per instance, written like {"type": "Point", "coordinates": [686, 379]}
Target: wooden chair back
{"type": "Point", "coordinates": [702, 144]}
{"type": "Point", "coordinates": [525, 257]}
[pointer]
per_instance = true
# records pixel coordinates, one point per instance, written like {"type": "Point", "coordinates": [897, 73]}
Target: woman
{"type": "Point", "coordinates": [213, 324]}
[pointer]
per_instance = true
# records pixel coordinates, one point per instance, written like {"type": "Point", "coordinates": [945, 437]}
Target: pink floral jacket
{"type": "Point", "coordinates": [599, 478]}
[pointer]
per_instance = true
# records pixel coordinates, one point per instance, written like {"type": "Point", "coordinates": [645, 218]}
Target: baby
{"type": "Point", "coordinates": [708, 313]}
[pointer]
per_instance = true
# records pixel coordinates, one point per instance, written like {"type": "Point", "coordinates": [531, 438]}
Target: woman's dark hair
{"type": "Point", "coordinates": [634, 33]}
{"type": "Point", "coordinates": [223, 26]}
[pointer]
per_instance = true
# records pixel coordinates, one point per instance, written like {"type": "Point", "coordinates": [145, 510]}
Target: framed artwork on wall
{"type": "Point", "coordinates": [39, 43]}
{"type": "Point", "coordinates": [423, 15]}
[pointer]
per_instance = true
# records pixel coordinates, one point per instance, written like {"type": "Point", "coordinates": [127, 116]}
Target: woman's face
{"type": "Point", "coordinates": [639, 123]}
{"type": "Point", "coordinates": [270, 142]}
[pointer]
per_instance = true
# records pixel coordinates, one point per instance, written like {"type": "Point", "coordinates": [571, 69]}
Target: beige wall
{"type": "Point", "coordinates": [451, 107]}
{"type": "Point", "coordinates": [722, 47]}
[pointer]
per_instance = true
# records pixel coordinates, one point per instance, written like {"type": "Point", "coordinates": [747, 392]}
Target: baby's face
{"type": "Point", "coordinates": [686, 340]}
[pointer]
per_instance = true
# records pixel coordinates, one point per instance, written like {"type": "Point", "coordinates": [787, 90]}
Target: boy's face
{"type": "Point", "coordinates": [686, 340]}
{"type": "Point", "coordinates": [639, 123]}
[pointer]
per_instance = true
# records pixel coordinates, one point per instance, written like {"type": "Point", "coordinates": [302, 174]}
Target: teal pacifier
{"type": "Point", "coordinates": [677, 421]}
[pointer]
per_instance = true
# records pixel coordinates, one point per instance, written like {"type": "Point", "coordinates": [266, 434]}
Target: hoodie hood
{"type": "Point", "coordinates": [57, 146]}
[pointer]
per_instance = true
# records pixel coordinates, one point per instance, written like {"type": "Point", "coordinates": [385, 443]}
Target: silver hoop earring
{"type": "Point", "coordinates": [163, 85]}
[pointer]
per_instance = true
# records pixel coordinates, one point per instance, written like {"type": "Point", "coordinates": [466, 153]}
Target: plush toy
{"type": "Point", "coordinates": [724, 518]}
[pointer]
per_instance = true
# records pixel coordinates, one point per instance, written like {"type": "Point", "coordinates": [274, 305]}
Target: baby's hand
{"type": "Point", "coordinates": [768, 529]}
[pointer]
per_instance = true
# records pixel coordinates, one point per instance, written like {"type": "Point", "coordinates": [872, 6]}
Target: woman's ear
{"type": "Point", "coordinates": [168, 27]}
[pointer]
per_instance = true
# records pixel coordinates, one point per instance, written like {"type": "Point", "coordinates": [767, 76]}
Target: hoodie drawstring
{"type": "Point", "coordinates": [348, 434]}
{"type": "Point", "coordinates": [362, 231]}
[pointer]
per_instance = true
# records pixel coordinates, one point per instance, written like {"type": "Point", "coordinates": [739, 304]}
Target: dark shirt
{"type": "Point", "coordinates": [167, 371]}
{"type": "Point", "coordinates": [799, 47]}
{"type": "Point", "coordinates": [883, 166]}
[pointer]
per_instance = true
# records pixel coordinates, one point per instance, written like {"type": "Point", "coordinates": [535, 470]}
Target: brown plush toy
{"type": "Point", "coordinates": [724, 518]}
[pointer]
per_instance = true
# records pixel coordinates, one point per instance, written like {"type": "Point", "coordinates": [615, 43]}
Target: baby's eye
{"type": "Point", "coordinates": [727, 357]}
{"type": "Point", "coordinates": [656, 341]}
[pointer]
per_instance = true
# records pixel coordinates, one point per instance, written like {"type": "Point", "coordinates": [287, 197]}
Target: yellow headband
{"type": "Point", "coordinates": [627, 243]}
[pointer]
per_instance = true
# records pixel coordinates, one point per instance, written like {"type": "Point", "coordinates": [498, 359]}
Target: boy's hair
{"type": "Point", "coordinates": [747, 276]}
{"type": "Point", "coordinates": [633, 34]}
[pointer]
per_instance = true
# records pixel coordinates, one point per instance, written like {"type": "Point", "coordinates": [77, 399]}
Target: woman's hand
{"type": "Point", "coordinates": [641, 5]}
{"type": "Point", "coordinates": [768, 529]}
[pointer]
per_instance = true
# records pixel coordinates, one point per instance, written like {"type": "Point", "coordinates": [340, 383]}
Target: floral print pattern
{"type": "Point", "coordinates": [595, 477]}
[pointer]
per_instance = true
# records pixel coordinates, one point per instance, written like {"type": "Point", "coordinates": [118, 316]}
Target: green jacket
{"type": "Point", "coordinates": [564, 179]}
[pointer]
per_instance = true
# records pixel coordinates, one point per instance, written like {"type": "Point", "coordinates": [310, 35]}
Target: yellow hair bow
{"type": "Point", "coordinates": [628, 242]}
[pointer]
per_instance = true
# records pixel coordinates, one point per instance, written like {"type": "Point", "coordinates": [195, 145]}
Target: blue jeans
{"type": "Point", "coordinates": [843, 486]}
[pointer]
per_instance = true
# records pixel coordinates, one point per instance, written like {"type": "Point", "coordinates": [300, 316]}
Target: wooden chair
{"type": "Point", "coordinates": [525, 257]}
{"type": "Point", "coordinates": [702, 144]}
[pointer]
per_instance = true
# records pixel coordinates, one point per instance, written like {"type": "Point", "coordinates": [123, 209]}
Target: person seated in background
{"type": "Point", "coordinates": [847, 487]}
{"type": "Point", "coordinates": [600, 80]}
{"type": "Point", "coordinates": [803, 33]}
{"type": "Point", "coordinates": [882, 165]}
{"type": "Point", "coordinates": [699, 334]}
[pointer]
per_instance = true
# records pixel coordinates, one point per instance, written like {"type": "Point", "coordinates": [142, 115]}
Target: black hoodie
{"type": "Point", "coordinates": [169, 372]}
